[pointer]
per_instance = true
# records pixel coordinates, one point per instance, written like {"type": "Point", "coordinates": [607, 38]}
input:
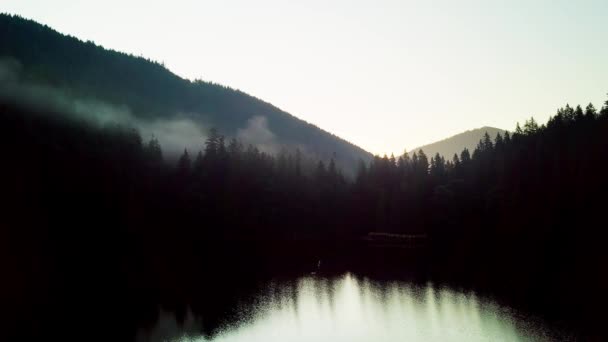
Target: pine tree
{"type": "Point", "coordinates": [392, 161]}
{"type": "Point", "coordinates": [153, 151]}
{"type": "Point", "coordinates": [414, 161]}
{"type": "Point", "coordinates": [507, 138]}
{"type": "Point", "coordinates": [423, 163]}
{"type": "Point", "coordinates": [465, 156]}
{"type": "Point", "coordinates": [406, 159]}
{"type": "Point", "coordinates": [590, 111]}
{"type": "Point", "coordinates": [212, 144]}
{"type": "Point", "coordinates": [197, 167]}
{"type": "Point", "coordinates": [568, 114]}
{"type": "Point", "coordinates": [235, 148]}
{"type": "Point", "coordinates": [456, 160]}
{"type": "Point", "coordinates": [487, 143]}
{"type": "Point", "coordinates": [183, 165]}
{"type": "Point", "coordinates": [437, 168]}
{"type": "Point", "coordinates": [578, 114]}
{"type": "Point", "coordinates": [530, 127]}
{"type": "Point", "coordinates": [478, 151]}
{"type": "Point", "coordinates": [499, 143]}
{"type": "Point", "coordinates": [221, 146]}
{"type": "Point", "coordinates": [518, 131]}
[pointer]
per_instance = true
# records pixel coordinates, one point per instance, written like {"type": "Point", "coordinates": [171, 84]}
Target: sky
{"type": "Point", "coordinates": [385, 75]}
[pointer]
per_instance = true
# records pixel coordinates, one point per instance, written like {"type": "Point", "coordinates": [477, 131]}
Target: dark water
{"type": "Point", "coordinates": [348, 308]}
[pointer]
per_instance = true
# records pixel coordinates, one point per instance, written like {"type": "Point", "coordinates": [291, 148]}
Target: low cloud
{"type": "Point", "coordinates": [258, 134]}
{"type": "Point", "coordinates": [174, 134]}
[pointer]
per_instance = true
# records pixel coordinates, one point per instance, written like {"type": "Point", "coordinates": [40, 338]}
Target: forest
{"type": "Point", "coordinates": [85, 70]}
{"type": "Point", "coordinates": [92, 209]}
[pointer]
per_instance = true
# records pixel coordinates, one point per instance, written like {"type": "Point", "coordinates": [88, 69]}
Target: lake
{"type": "Point", "coordinates": [350, 308]}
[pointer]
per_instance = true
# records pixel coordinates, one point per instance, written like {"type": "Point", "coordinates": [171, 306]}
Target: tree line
{"type": "Point", "coordinates": [91, 208]}
{"type": "Point", "coordinates": [86, 70]}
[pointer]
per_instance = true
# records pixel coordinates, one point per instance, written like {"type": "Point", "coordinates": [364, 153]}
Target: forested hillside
{"type": "Point", "coordinates": [455, 144]}
{"type": "Point", "coordinates": [150, 91]}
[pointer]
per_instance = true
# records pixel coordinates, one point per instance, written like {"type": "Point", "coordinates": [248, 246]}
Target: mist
{"type": "Point", "coordinates": [176, 132]}
{"type": "Point", "coordinates": [184, 131]}
{"type": "Point", "coordinates": [258, 134]}
{"type": "Point", "coordinates": [180, 132]}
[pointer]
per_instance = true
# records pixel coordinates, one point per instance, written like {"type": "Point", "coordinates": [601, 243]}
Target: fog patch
{"type": "Point", "coordinates": [258, 134]}
{"type": "Point", "coordinates": [174, 134]}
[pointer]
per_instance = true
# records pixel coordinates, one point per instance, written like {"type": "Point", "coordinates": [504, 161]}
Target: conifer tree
{"type": "Point", "coordinates": [183, 165]}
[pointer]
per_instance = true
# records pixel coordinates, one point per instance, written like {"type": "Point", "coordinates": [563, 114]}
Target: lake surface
{"type": "Point", "coordinates": [349, 308]}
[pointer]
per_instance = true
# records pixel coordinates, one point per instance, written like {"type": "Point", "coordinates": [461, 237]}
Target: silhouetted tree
{"type": "Point", "coordinates": [184, 164]}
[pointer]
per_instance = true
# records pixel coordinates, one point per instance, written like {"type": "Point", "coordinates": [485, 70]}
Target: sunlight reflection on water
{"type": "Point", "coordinates": [358, 309]}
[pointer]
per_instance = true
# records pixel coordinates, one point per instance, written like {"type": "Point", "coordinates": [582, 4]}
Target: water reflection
{"type": "Point", "coordinates": [359, 309]}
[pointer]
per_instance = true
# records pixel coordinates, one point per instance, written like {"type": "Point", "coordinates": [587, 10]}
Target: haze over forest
{"type": "Point", "coordinates": [385, 75]}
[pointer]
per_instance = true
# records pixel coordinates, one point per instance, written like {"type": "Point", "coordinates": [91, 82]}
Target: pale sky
{"type": "Point", "coordinates": [383, 74]}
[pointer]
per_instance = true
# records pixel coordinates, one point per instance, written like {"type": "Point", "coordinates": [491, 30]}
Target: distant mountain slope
{"type": "Point", "coordinates": [151, 91]}
{"type": "Point", "coordinates": [455, 144]}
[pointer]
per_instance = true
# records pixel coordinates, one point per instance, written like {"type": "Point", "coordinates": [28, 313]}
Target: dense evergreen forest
{"type": "Point", "coordinates": [86, 70]}
{"type": "Point", "coordinates": [95, 217]}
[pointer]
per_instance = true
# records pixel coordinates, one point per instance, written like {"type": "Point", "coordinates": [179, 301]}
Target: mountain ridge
{"type": "Point", "coordinates": [152, 91]}
{"type": "Point", "coordinates": [458, 142]}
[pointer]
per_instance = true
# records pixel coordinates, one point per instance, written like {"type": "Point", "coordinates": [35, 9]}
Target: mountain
{"type": "Point", "coordinates": [153, 94]}
{"type": "Point", "coordinates": [455, 144]}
